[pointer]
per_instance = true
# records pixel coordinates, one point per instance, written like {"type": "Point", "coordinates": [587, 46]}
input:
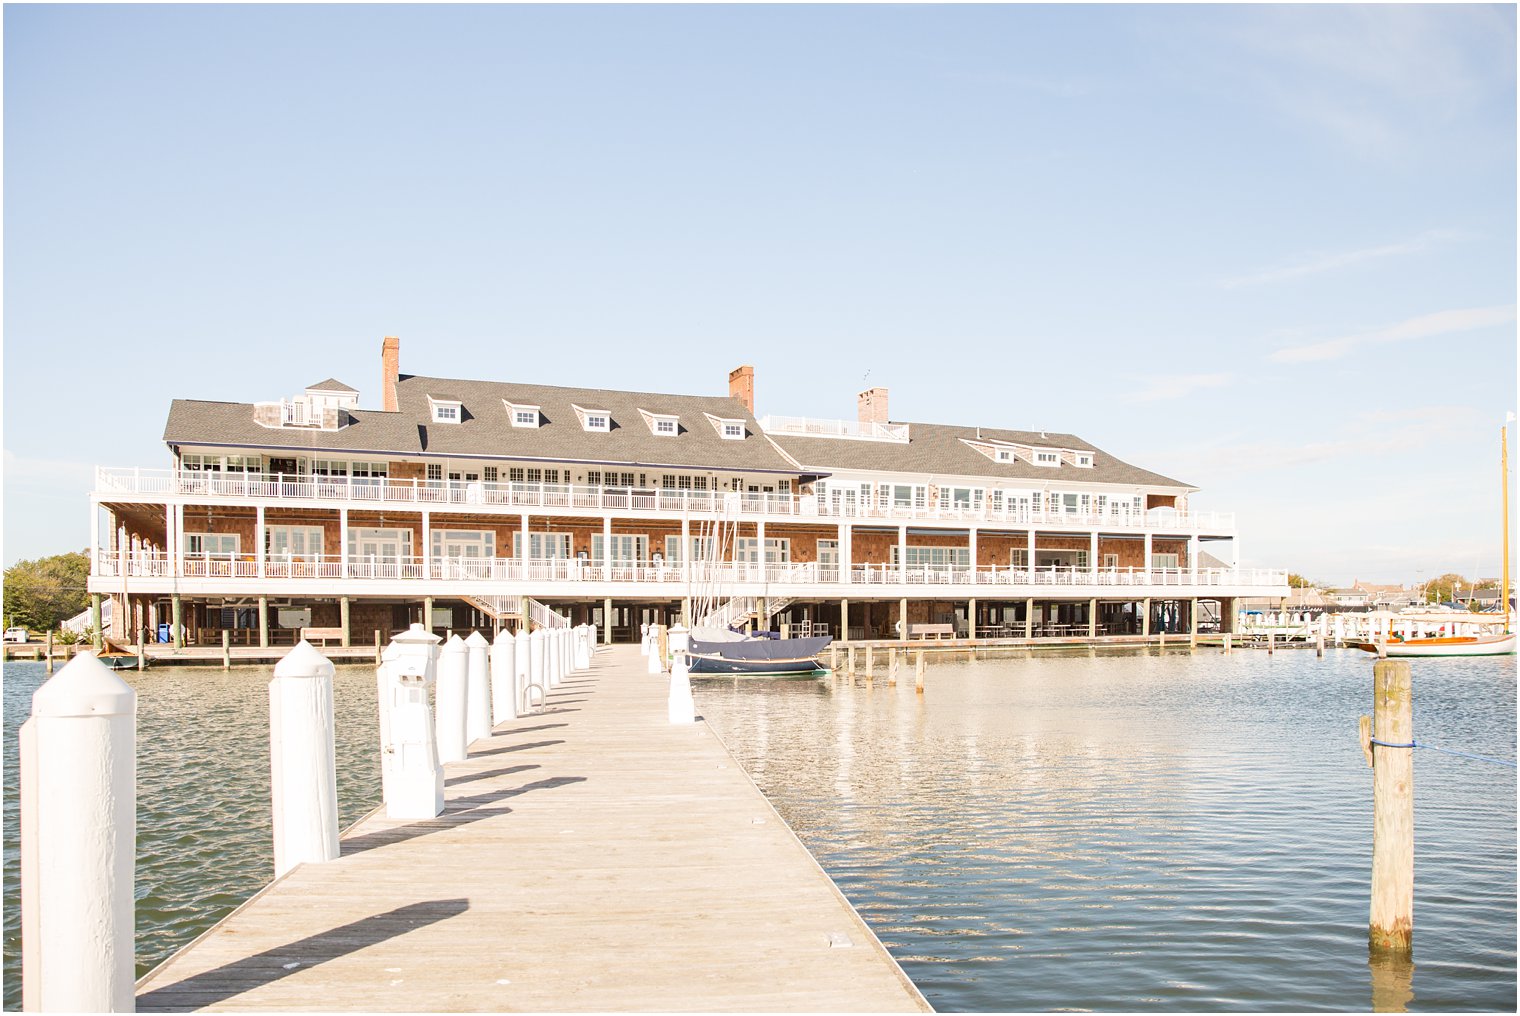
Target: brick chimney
{"type": "Point", "coordinates": [741, 386]}
{"type": "Point", "coordinates": [872, 405]}
{"type": "Point", "coordinates": [390, 371]}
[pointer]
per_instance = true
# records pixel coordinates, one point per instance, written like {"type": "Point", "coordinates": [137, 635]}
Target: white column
{"type": "Point", "coordinates": [504, 692]}
{"type": "Point", "coordinates": [343, 542]}
{"type": "Point", "coordinates": [685, 559]}
{"type": "Point", "coordinates": [427, 544]}
{"type": "Point", "coordinates": [606, 541]}
{"type": "Point", "coordinates": [971, 543]}
{"type": "Point", "coordinates": [95, 537]}
{"type": "Point", "coordinates": [169, 537]}
{"type": "Point", "coordinates": [258, 539]}
{"type": "Point", "coordinates": [760, 546]}
{"type": "Point", "coordinates": [1092, 555]}
{"type": "Point", "coordinates": [1030, 550]}
{"type": "Point", "coordinates": [478, 700]}
{"type": "Point", "coordinates": [452, 695]}
{"type": "Point", "coordinates": [902, 553]}
{"type": "Point", "coordinates": [1193, 544]}
{"type": "Point", "coordinates": [846, 557]}
{"type": "Point", "coordinates": [78, 796]}
{"type": "Point", "coordinates": [1147, 552]}
{"type": "Point", "coordinates": [524, 530]}
{"type": "Point", "coordinates": [303, 770]}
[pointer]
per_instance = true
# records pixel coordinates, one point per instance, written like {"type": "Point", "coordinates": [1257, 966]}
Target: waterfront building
{"type": "Point", "coordinates": [460, 503]}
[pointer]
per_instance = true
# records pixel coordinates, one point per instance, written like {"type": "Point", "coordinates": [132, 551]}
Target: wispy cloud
{"type": "Point", "coordinates": [1427, 326]}
{"type": "Point", "coordinates": [1175, 386]}
{"type": "Point", "coordinates": [1316, 263]}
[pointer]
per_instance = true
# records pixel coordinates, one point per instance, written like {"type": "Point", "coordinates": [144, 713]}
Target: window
{"type": "Point", "coordinates": [245, 464]}
{"type": "Point", "coordinates": [323, 468]}
{"type": "Point", "coordinates": [668, 482]}
{"type": "Point", "coordinates": [699, 483]}
{"type": "Point", "coordinates": [701, 548]}
{"type": "Point", "coordinates": [665, 426]}
{"type": "Point", "coordinates": [777, 551]}
{"type": "Point", "coordinates": [828, 553]}
{"type": "Point", "coordinates": [297, 542]}
{"type": "Point", "coordinates": [515, 474]}
{"type": "Point", "coordinates": [594, 477]}
{"type": "Point", "coordinates": [1084, 460]}
{"type": "Point", "coordinates": [379, 545]}
{"type": "Point", "coordinates": [733, 430]}
{"type": "Point", "coordinates": [369, 470]}
{"type": "Point", "coordinates": [535, 476]}
{"type": "Point", "coordinates": [542, 546]}
{"type": "Point", "coordinates": [1047, 458]}
{"type": "Point", "coordinates": [552, 475]}
{"type": "Point", "coordinates": [1111, 561]}
{"type": "Point", "coordinates": [492, 474]}
{"type": "Point", "coordinates": [1004, 454]}
{"type": "Point", "coordinates": [785, 486]}
{"type": "Point", "coordinates": [445, 413]}
{"type": "Point", "coordinates": [466, 543]}
{"type": "Point", "coordinates": [211, 544]}
{"type": "Point", "coordinates": [935, 557]}
{"type": "Point", "coordinates": [1164, 560]}
{"type": "Point", "coordinates": [626, 549]}
{"type": "Point", "coordinates": [598, 421]}
{"type": "Point", "coordinates": [434, 471]}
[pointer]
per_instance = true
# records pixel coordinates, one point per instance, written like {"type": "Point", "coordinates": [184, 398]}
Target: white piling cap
{"type": "Point", "coordinates": [84, 687]}
{"type": "Point", "coordinates": [417, 634]}
{"type": "Point", "coordinates": [521, 634]}
{"type": "Point", "coordinates": [502, 635]}
{"type": "Point", "coordinates": [455, 644]}
{"type": "Point", "coordinates": [304, 661]}
{"type": "Point", "coordinates": [476, 640]}
{"type": "Point", "coordinates": [677, 627]}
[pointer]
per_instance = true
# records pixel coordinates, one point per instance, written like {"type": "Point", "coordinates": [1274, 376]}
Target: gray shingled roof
{"type": "Point", "coordinates": [331, 385]}
{"type": "Point", "coordinates": [486, 430]}
{"type": "Point", "coordinates": [937, 448]}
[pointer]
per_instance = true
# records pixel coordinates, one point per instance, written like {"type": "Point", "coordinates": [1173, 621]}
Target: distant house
{"type": "Point", "coordinates": [1355, 599]}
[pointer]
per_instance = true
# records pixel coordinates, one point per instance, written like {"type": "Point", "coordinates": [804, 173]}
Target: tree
{"type": "Point", "coordinates": [39, 594]}
{"type": "Point", "coordinates": [1443, 588]}
{"type": "Point", "coordinates": [1297, 581]}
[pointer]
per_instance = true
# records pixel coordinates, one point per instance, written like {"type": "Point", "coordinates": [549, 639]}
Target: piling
{"type": "Point", "coordinates": [681, 708]}
{"type": "Point", "coordinates": [478, 688]}
{"type": "Point", "coordinates": [1271, 642]}
{"type": "Point", "coordinates": [50, 652]}
{"type": "Point", "coordinates": [79, 846]}
{"type": "Point", "coordinates": [522, 673]}
{"type": "Point", "coordinates": [1319, 644]}
{"type": "Point", "coordinates": [1227, 643]}
{"type": "Point", "coordinates": [377, 647]}
{"type": "Point", "coordinates": [892, 667]}
{"type": "Point", "coordinates": [226, 649]}
{"type": "Point", "coordinates": [850, 664]}
{"type": "Point", "coordinates": [142, 650]}
{"type": "Point", "coordinates": [1391, 925]}
{"type": "Point", "coordinates": [918, 673]}
{"type": "Point", "coordinates": [303, 771]}
{"type": "Point", "coordinates": [451, 694]}
{"type": "Point", "coordinates": [411, 776]}
{"type": "Point", "coordinates": [536, 663]}
{"type": "Point", "coordinates": [504, 693]}
{"type": "Point", "coordinates": [656, 660]}
{"type": "Point", "coordinates": [833, 659]}
{"type": "Point", "coordinates": [870, 661]}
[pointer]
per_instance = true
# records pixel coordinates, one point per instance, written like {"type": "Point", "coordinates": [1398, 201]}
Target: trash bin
{"type": "Point", "coordinates": [163, 633]}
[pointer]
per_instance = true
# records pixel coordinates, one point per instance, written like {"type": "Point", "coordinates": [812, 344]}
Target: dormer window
{"type": "Point", "coordinates": [1084, 460]}
{"type": "Point", "coordinates": [728, 429]}
{"type": "Point", "coordinates": [446, 410]}
{"type": "Point", "coordinates": [598, 421]}
{"type": "Point", "coordinates": [522, 416]}
{"type": "Point", "coordinates": [1004, 454]}
{"type": "Point", "coordinates": [1043, 458]}
{"type": "Point", "coordinates": [662, 424]}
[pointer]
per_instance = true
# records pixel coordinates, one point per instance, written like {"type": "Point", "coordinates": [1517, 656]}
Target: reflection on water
{"type": "Point", "coordinates": [1145, 832]}
{"type": "Point", "coordinates": [1392, 982]}
{"type": "Point", "coordinates": [204, 837]}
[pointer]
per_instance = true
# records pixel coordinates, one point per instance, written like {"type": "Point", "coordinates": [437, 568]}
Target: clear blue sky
{"type": "Point", "coordinates": [1268, 250]}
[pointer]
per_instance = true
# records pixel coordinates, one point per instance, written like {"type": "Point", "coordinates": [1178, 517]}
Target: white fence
{"type": "Point", "coordinates": [554, 571]}
{"type": "Point", "coordinates": [359, 490]}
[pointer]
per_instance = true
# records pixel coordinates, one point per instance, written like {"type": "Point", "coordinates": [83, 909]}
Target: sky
{"type": "Point", "coordinates": [1270, 251]}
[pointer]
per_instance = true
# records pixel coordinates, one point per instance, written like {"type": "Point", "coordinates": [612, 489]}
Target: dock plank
{"type": "Point", "coordinates": [590, 857]}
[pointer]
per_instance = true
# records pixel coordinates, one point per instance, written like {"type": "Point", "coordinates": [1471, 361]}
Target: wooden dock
{"type": "Point", "coordinates": [591, 857]}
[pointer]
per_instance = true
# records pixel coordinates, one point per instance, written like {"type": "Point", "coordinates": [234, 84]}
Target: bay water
{"type": "Point", "coordinates": [1111, 832]}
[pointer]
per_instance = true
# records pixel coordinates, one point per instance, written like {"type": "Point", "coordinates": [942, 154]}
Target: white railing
{"type": "Point", "coordinates": [553, 571]}
{"type": "Point", "coordinates": [808, 426]}
{"type": "Point", "coordinates": [473, 493]}
{"type": "Point", "coordinates": [546, 617]}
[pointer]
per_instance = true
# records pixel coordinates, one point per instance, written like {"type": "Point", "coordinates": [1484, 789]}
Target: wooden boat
{"type": "Point", "coordinates": [761, 656]}
{"type": "Point", "coordinates": [116, 656]}
{"type": "Point", "coordinates": [1457, 645]}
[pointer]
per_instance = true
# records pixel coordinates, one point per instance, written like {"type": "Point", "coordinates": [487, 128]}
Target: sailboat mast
{"type": "Point", "coordinates": [1504, 478]}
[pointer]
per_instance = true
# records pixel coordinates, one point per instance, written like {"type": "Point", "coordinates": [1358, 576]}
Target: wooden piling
{"type": "Point", "coordinates": [377, 647]}
{"type": "Point", "coordinates": [142, 650]}
{"type": "Point", "coordinates": [1271, 642]}
{"type": "Point", "coordinates": [1391, 925]}
{"type": "Point", "coordinates": [49, 652]}
{"type": "Point", "coordinates": [892, 667]}
{"type": "Point", "coordinates": [1319, 645]}
{"type": "Point", "coordinates": [226, 649]}
{"type": "Point", "coordinates": [833, 659]}
{"type": "Point", "coordinates": [918, 673]}
{"type": "Point", "coordinates": [850, 664]}
{"type": "Point", "coordinates": [1227, 643]}
{"type": "Point", "coordinates": [870, 660]}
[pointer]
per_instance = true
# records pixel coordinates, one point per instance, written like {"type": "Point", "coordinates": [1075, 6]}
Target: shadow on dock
{"type": "Point", "coordinates": [224, 982]}
{"type": "Point", "coordinates": [457, 812]}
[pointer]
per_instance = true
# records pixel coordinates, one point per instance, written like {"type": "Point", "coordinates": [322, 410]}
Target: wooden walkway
{"type": "Point", "coordinates": [591, 857]}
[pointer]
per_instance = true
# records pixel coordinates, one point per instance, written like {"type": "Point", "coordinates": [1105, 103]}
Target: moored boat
{"type": "Point", "coordinates": [116, 656]}
{"type": "Point", "coordinates": [765, 656]}
{"type": "Point", "coordinates": [1459, 645]}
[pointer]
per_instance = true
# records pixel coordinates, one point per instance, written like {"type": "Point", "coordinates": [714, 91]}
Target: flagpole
{"type": "Point", "coordinates": [1504, 478]}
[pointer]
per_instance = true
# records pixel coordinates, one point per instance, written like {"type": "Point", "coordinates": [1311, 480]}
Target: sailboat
{"type": "Point", "coordinates": [1497, 644]}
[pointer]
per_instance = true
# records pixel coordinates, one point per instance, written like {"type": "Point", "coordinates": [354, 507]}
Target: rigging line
{"type": "Point", "coordinates": [1445, 751]}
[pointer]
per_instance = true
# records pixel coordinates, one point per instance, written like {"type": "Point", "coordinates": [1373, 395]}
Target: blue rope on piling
{"type": "Point", "coordinates": [1445, 751]}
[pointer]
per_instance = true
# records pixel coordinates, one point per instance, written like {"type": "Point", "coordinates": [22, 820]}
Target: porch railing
{"type": "Point", "coordinates": [478, 493]}
{"type": "Point", "coordinates": [110, 564]}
